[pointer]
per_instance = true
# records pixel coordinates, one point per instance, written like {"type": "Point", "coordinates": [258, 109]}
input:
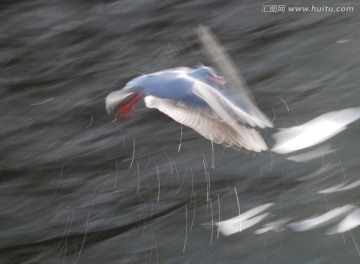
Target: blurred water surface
{"type": "Point", "coordinates": [79, 188]}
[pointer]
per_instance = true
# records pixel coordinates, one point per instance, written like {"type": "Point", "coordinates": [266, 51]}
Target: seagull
{"type": "Point", "coordinates": [201, 99]}
{"type": "Point", "coordinates": [196, 98]}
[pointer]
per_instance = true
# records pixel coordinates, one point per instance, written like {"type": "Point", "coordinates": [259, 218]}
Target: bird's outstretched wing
{"type": "Point", "coordinates": [209, 125]}
{"type": "Point", "coordinates": [225, 109]}
{"type": "Point", "coordinates": [223, 62]}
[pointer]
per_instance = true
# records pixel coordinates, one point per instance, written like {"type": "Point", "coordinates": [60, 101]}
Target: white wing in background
{"type": "Point", "coordinates": [233, 77]}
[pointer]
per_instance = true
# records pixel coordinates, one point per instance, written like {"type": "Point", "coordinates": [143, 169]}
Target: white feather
{"type": "Point", "coordinates": [230, 134]}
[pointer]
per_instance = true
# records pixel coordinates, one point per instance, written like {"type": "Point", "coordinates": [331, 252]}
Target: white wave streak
{"type": "Point", "coordinates": [243, 221]}
{"type": "Point", "coordinates": [315, 131]}
{"type": "Point", "coordinates": [276, 226]}
{"type": "Point", "coordinates": [328, 169]}
{"type": "Point", "coordinates": [348, 223]}
{"type": "Point", "coordinates": [324, 219]}
{"type": "Point", "coordinates": [341, 187]}
{"type": "Point", "coordinates": [312, 154]}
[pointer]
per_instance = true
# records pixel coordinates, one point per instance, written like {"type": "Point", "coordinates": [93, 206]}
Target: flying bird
{"type": "Point", "coordinates": [218, 107]}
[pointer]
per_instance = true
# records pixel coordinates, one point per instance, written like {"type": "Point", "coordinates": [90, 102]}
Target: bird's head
{"type": "Point", "coordinates": [124, 101]}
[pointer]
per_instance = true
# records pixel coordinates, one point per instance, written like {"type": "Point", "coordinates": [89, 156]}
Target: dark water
{"type": "Point", "coordinates": [79, 188]}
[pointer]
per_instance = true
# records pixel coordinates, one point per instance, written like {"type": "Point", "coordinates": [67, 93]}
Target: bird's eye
{"type": "Point", "coordinates": [216, 79]}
